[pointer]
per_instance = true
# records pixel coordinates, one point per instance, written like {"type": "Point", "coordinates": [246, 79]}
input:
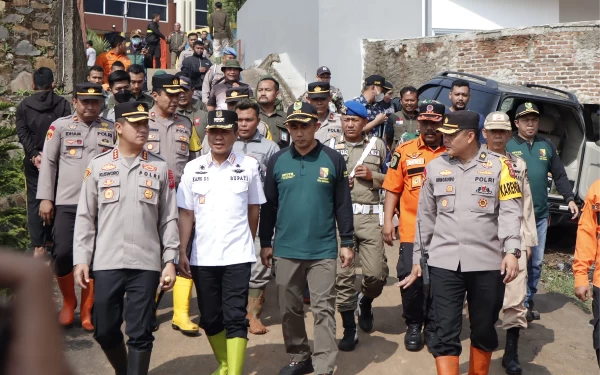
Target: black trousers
{"type": "Point", "coordinates": [153, 58]}
{"type": "Point", "coordinates": [413, 297]}
{"type": "Point", "coordinates": [222, 298]}
{"type": "Point", "coordinates": [485, 294]}
{"type": "Point", "coordinates": [107, 315]}
{"type": "Point", "coordinates": [596, 312]}
{"type": "Point", "coordinates": [64, 226]}
{"type": "Point", "coordinates": [40, 234]}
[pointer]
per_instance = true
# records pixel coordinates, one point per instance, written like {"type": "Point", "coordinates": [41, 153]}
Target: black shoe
{"type": "Point", "coordinates": [118, 358]}
{"type": "Point", "coordinates": [138, 362]}
{"type": "Point", "coordinates": [298, 368]}
{"type": "Point", "coordinates": [350, 339]}
{"type": "Point", "coordinates": [413, 341]}
{"type": "Point", "coordinates": [365, 313]}
{"type": "Point", "coordinates": [510, 360]}
{"type": "Point", "coordinates": [532, 314]}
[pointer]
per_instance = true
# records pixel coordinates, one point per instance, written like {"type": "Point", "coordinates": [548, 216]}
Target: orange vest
{"type": "Point", "coordinates": [405, 177]}
{"type": "Point", "coordinates": [587, 248]}
{"type": "Point", "coordinates": [107, 59]}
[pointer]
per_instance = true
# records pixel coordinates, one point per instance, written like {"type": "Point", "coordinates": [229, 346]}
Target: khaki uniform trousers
{"type": "Point", "coordinates": [218, 45]}
{"type": "Point", "coordinates": [174, 56]}
{"type": "Point", "coordinates": [369, 242]}
{"type": "Point", "coordinates": [291, 278]}
{"type": "Point", "coordinates": [514, 298]}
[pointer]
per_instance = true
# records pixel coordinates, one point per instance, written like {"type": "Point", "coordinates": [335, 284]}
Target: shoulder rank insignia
{"type": "Point", "coordinates": [144, 155]}
{"type": "Point", "coordinates": [115, 154]}
{"type": "Point", "coordinates": [482, 156]}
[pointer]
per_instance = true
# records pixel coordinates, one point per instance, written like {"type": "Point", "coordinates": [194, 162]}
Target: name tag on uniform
{"type": "Point", "coordinates": [415, 162]}
{"type": "Point", "coordinates": [374, 153]}
{"type": "Point", "coordinates": [343, 152]}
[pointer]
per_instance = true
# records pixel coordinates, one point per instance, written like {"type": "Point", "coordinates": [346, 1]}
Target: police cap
{"type": "Point", "coordinates": [526, 108]}
{"type": "Point", "coordinates": [318, 90]}
{"type": "Point", "coordinates": [87, 91]}
{"type": "Point", "coordinates": [302, 112]}
{"type": "Point", "coordinates": [235, 94]}
{"type": "Point", "coordinates": [431, 111]}
{"type": "Point", "coordinates": [167, 82]}
{"type": "Point", "coordinates": [459, 120]}
{"type": "Point", "coordinates": [132, 111]}
{"type": "Point", "coordinates": [375, 80]}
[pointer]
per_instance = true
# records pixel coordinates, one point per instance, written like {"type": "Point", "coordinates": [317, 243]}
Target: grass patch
{"type": "Point", "coordinates": [563, 283]}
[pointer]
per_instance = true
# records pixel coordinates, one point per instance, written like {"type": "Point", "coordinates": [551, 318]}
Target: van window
{"type": "Point", "coordinates": [428, 93]}
{"type": "Point", "coordinates": [480, 102]}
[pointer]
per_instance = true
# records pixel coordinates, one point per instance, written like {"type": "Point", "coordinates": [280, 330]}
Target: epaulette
{"type": "Point", "coordinates": [157, 156]}
{"type": "Point", "coordinates": [102, 154]}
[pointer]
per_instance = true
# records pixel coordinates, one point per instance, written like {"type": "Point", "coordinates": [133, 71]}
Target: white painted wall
{"type": "Point", "coordinates": [344, 23]}
{"type": "Point", "coordinates": [493, 14]}
{"type": "Point", "coordinates": [280, 26]}
{"type": "Point", "coordinates": [579, 10]}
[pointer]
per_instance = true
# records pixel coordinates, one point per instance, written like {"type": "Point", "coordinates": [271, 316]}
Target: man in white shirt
{"type": "Point", "coordinates": [90, 52]}
{"type": "Point", "coordinates": [222, 191]}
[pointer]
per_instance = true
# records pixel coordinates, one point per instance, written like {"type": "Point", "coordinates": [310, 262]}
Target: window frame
{"type": "Point", "coordinates": [166, 7]}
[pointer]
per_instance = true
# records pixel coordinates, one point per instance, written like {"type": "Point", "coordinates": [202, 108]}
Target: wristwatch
{"type": "Point", "coordinates": [515, 252]}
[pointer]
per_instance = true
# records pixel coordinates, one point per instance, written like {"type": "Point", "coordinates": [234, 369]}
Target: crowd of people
{"type": "Point", "coordinates": [205, 182]}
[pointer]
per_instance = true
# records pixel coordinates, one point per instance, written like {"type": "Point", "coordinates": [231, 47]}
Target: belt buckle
{"type": "Point", "coordinates": [366, 209]}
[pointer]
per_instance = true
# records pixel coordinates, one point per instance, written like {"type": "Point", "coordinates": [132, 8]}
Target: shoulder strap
{"type": "Point", "coordinates": [364, 154]}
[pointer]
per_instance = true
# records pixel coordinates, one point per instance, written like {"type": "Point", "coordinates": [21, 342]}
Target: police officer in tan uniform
{"type": "Point", "coordinates": [126, 222]}
{"type": "Point", "coordinates": [468, 222]}
{"type": "Point", "coordinates": [319, 95]}
{"type": "Point", "coordinates": [365, 156]}
{"type": "Point", "coordinates": [497, 130]}
{"type": "Point", "coordinates": [171, 135]}
{"type": "Point", "coordinates": [71, 142]}
{"type": "Point", "coordinates": [192, 108]}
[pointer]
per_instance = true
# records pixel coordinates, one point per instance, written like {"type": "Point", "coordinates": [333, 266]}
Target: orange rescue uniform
{"type": "Point", "coordinates": [107, 59]}
{"type": "Point", "coordinates": [587, 249]}
{"type": "Point", "coordinates": [405, 177]}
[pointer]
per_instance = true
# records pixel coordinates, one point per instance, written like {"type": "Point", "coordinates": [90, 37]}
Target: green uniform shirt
{"type": "Point", "coordinates": [541, 157]}
{"type": "Point", "coordinates": [306, 195]}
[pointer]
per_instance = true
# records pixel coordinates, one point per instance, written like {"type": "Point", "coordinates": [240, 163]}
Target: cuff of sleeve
{"type": "Point", "coordinates": [416, 256]}
{"type": "Point", "coordinates": [378, 180]}
{"type": "Point", "coordinates": [512, 243]}
{"type": "Point", "coordinates": [266, 243]}
{"type": "Point", "coordinates": [570, 199]}
{"type": "Point", "coordinates": [581, 280]}
{"type": "Point", "coordinates": [169, 255]}
{"type": "Point", "coordinates": [82, 258]}
{"type": "Point", "coordinates": [347, 242]}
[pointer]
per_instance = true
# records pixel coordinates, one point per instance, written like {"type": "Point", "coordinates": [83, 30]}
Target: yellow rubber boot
{"type": "Point", "coordinates": [236, 354]}
{"type": "Point", "coordinates": [218, 343]}
{"type": "Point", "coordinates": [182, 291]}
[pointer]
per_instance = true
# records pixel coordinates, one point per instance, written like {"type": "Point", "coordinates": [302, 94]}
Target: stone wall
{"type": "Point", "coordinates": [40, 33]}
{"type": "Point", "coordinates": [565, 56]}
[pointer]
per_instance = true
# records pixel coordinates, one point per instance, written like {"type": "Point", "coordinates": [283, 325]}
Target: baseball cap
{"type": "Point", "coordinates": [235, 94]}
{"type": "Point", "coordinates": [375, 80]}
{"type": "Point", "coordinates": [222, 119]}
{"type": "Point", "coordinates": [323, 70]}
{"type": "Point", "coordinates": [388, 85]}
{"type": "Point", "coordinates": [354, 108]}
{"type": "Point", "coordinates": [459, 120]}
{"type": "Point", "coordinates": [87, 91]}
{"type": "Point", "coordinates": [137, 32]}
{"type": "Point", "coordinates": [132, 111]}
{"type": "Point", "coordinates": [302, 112]}
{"type": "Point", "coordinates": [497, 120]}
{"type": "Point", "coordinates": [431, 111]}
{"type": "Point", "coordinates": [318, 90]}
{"type": "Point", "coordinates": [526, 108]}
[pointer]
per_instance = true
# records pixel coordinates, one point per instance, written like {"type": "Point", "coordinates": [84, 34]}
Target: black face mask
{"type": "Point", "coordinates": [123, 96]}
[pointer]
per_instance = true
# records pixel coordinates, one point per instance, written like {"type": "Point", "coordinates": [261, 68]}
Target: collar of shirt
{"type": "Point", "coordinates": [409, 117]}
{"type": "Point", "coordinates": [257, 138]}
{"type": "Point", "coordinates": [209, 160]}
{"type": "Point", "coordinates": [366, 138]}
{"type": "Point", "coordinates": [314, 152]}
{"type": "Point", "coordinates": [275, 113]}
{"type": "Point", "coordinates": [142, 156]}
{"type": "Point", "coordinates": [521, 140]}
{"type": "Point", "coordinates": [361, 99]}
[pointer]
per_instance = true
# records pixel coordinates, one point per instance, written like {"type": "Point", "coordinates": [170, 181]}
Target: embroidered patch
{"type": "Point", "coordinates": [449, 189]}
{"type": "Point", "coordinates": [108, 167]}
{"type": "Point", "coordinates": [171, 179]}
{"type": "Point", "coordinates": [108, 182]}
{"type": "Point", "coordinates": [485, 172]}
{"type": "Point", "coordinates": [109, 193]}
{"type": "Point", "coordinates": [444, 202]}
{"type": "Point", "coordinates": [445, 172]}
{"type": "Point", "coordinates": [483, 203]}
{"type": "Point", "coordinates": [148, 194]}
{"type": "Point", "coordinates": [149, 167]}
{"type": "Point", "coordinates": [395, 160]}
{"type": "Point", "coordinates": [87, 173]}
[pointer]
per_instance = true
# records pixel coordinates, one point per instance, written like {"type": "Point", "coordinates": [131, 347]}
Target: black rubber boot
{"type": "Point", "coordinates": [117, 357]}
{"type": "Point", "coordinates": [510, 360]}
{"type": "Point", "coordinates": [138, 362]}
{"type": "Point", "coordinates": [350, 339]}
{"type": "Point", "coordinates": [365, 313]}
{"type": "Point", "coordinates": [413, 341]}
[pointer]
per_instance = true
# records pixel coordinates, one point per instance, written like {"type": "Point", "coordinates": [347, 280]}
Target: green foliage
{"type": "Point", "coordinates": [100, 44]}
{"type": "Point", "coordinates": [563, 283]}
{"type": "Point", "coordinates": [230, 7]}
{"type": "Point", "coordinates": [13, 221]}
{"type": "Point", "coordinates": [6, 105]}
{"type": "Point", "coordinates": [24, 92]}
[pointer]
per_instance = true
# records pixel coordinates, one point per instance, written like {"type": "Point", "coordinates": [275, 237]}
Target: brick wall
{"type": "Point", "coordinates": [565, 56]}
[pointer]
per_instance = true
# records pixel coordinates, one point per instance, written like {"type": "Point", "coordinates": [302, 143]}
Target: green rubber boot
{"type": "Point", "coordinates": [219, 344]}
{"type": "Point", "coordinates": [236, 353]}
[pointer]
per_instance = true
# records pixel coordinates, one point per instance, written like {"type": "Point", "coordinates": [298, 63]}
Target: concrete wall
{"type": "Point", "coordinates": [342, 25]}
{"type": "Point", "coordinates": [280, 26]}
{"type": "Point", "coordinates": [565, 56]}
{"type": "Point", "coordinates": [490, 15]}
{"type": "Point", "coordinates": [579, 10]}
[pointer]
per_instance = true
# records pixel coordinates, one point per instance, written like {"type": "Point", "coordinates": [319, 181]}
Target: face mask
{"type": "Point", "coordinates": [123, 96]}
{"type": "Point", "coordinates": [379, 96]}
{"type": "Point", "coordinates": [135, 41]}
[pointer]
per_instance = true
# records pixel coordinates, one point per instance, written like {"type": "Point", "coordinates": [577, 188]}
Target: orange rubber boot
{"type": "Point", "coordinates": [447, 365]}
{"type": "Point", "coordinates": [67, 288]}
{"type": "Point", "coordinates": [479, 362]}
{"type": "Point", "coordinates": [87, 301]}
